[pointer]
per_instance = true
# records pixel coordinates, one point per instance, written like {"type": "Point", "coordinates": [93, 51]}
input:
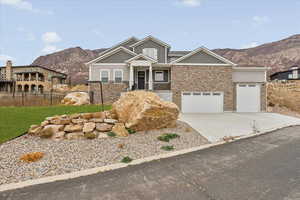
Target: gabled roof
{"type": "Point", "coordinates": [112, 52]}
{"type": "Point", "coordinates": [150, 38]}
{"type": "Point", "coordinates": [141, 56]}
{"type": "Point", "coordinates": [204, 49]}
{"type": "Point", "coordinates": [118, 45]}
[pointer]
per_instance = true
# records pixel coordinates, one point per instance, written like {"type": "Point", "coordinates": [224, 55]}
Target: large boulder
{"type": "Point", "coordinates": [76, 98]}
{"type": "Point", "coordinates": [141, 110]}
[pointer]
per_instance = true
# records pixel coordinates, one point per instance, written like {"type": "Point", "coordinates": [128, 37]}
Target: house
{"type": "Point", "coordinates": [30, 78]}
{"type": "Point", "coordinates": [197, 81]}
{"type": "Point", "coordinates": [293, 73]}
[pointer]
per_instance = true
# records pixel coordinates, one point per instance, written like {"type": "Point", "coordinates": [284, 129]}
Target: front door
{"type": "Point", "coordinates": [141, 80]}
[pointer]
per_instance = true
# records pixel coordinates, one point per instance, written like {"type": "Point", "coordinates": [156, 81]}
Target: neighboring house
{"type": "Point", "coordinates": [197, 81]}
{"type": "Point", "coordinates": [34, 79]}
{"type": "Point", "coordinates": [293, 73]}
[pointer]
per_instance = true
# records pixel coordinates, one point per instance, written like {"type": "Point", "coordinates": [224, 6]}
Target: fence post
{"type": "Point", "coordinates": [92, 97]}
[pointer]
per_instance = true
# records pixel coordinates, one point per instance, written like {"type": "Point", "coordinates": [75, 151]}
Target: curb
{"type": "Point", "coordinates": [13, 186]}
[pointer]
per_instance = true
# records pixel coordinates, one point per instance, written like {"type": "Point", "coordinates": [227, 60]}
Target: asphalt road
{"type": "Point", "coordinates": [265, 167]}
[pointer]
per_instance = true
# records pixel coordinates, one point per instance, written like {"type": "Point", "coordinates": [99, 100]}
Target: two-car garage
{"type": "Point", "coordinates": [247, 100]}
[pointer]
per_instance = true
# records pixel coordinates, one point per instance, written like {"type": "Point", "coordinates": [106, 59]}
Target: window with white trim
{"type": "Point", "coordinates": [104, 76]}
{"type": "Point", "coordinates": [295, 74]}
{"type": "Point", "coordinates": [118, 76]}
{"type": "Point", "coordinates": [150, 52]}
{"type": "Point", "coordinates": [159, 76]}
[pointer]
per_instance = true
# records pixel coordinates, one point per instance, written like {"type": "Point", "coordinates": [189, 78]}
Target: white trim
{"type": "Point", "coordinates": [114, 75]}
{"type": "Point", "coordinates": [202, 64]}
{"type": "Point", "coordinates": [90, 72]}
{"type": "Point", "coordinates": [150, 38]}
{"type": "Point", "coordinates": [206, 51]}
{"type": "Point", "coordinates": [120, 43]}
{"type": "Point", "coordinates": [166, 55]}
{"type": "Point", "coordinates": [141, 56]}
{"type": "Point", "coordinates": [250, 68]}
{"type": "Point", "coordinates": [109, 64]}
{"type": "Point", "coordinates": [107, 70]}
{"type": "Point", "coordinates": [110, 53]}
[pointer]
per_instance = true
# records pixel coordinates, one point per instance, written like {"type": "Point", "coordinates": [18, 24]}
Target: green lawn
{"type": "Point", "coordinates": [15, 121]}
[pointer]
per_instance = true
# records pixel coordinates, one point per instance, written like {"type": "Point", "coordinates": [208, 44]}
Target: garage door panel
{"type": "Point", "coordinates": [202, 102]}
{"type": "Point", "coordinates": [248, 98]}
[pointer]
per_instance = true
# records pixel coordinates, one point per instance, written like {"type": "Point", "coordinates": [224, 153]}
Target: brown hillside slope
{"type": "Point", "coordinates": [276, 55]}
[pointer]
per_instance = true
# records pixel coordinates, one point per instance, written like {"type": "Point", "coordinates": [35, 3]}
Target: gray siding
{"type": "Point", "coordinates": [249, 76]}
{"type": "Point", "coordinates": [119, 57]}
{"type": "Point", "coordinates": [150, 44]}
{"type": "Point", "coordinates": [95, 72]}
{"type": "Point", "coordinates": [202, 57]}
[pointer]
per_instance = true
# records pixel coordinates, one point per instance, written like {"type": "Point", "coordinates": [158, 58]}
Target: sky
{"type": "Point", "coordinates": [31, 28]}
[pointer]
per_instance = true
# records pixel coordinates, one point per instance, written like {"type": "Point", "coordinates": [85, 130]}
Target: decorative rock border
{"type": "Point", "coordinates": [79, 126]}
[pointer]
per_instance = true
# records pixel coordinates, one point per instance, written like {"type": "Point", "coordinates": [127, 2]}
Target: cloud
{"type": "Point", "coordinates": [28, 35]}
{"type": "Point", "coordinates": [260, 20]}
{"type": "Point", "coordinates": [190, 3]}
{"type": "Point", "coordinates": [23, 5]}
{"type": "Point", "coordinates": [51, 37]}
{"type": "Point", "coordinates": [50, 49]}
{"type": "Point", "coordinates": [98, 33]}
{"type": "Point", "coordinates": [251, 45]}
{"type": "Point", "coordinates": [4, 58]}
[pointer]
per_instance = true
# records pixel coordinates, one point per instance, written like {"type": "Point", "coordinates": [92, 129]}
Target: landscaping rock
{"type": "Point", "coordinates": [91, 136]}
{"type": "Point", "coordinates": [120, 130]}
{"type": "Point", "coordinates": [58, 135]}
{"type": "Point", "coordinates": [79, 121]}
{"type": "Point", "coordinates": [76, 98]}
{"type": "Point", "coordinates": [51, 130]}
{"type": "Point", "coordinates": [100, 115]}
{"type": "Point", "coordinates": [103, 127]}
{"type": "Point", "coordinates": [141, 110]}
{"type": "Point", "coordinates": [74, 116]}
{"type": "Point", "coordinates": [110, 121]}
{"type": "Point", "coordinates": [35, 130]}
{"type": "Point", "coordinates": [96, 120]}
{"type": "Point", "coordinates": [87, 115]}
{"type": "Point", "coordinates": [89, 127]}
{"type": "Point", "coordinates": [75, 136]}
{"type": "Point", "coordinates": [73, 128]}
{"type": "Point", "coordinates": [60, 121]}
{"type": "Point", "coordinates": [45, 123]}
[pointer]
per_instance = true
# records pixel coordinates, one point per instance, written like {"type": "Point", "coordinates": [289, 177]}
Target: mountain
{"type": "Point", "coordinates": [277, 56]}
{"type": "Point", "coordinates": [70, 61]}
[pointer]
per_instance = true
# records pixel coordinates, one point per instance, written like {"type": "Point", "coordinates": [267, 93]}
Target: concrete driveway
{"type": "Point", "coordinates": [216, 126]}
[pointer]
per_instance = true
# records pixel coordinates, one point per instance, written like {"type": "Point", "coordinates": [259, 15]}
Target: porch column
{"type": "Point", "coordinates": [37, 76]}
{"type": "Point", "coordinates": [29, 76]}
{"type": "Point", "coordinates": [131, 82]}
{"type": "Point", "coordinates": [23, 78]}
{"type": "Point", "coordinates": [150, 78]}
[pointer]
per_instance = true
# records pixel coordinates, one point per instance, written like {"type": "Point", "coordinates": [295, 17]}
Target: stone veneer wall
{"type": "Point", "coordinates": [202, 79]}
{"type": "Point", "coordinates": [263, 95]}
{"type": "Point", "coordinates": [111, 91]}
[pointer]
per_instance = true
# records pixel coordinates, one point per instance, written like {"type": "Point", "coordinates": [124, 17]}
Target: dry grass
{"type": "Point", "coordinates": [32, 157]}
{"type": "Point", "coordinates": [284, 95]}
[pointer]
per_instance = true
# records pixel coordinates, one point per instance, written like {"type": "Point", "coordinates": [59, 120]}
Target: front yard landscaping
{"type": "Point", "coordinates": [15, 121]}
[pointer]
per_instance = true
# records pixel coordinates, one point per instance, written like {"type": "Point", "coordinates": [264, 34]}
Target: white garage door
{"type": "Point", "coordinates": [202, 102]}
{"type": "Point", "coordinates": [248, 98]}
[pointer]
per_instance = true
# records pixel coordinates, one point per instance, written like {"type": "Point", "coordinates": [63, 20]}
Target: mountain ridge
{"type": "Point", "coordinates": [278, 55]}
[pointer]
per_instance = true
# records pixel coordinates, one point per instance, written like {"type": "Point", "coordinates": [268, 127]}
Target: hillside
{"type": "Point", "coordinates": [276, 55]}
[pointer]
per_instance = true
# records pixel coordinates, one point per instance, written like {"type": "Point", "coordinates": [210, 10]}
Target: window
{"type": "Point", "coordinates": [104, 76]}
{"type": "Point", "coordinates": [159, 76]}
{"type": "Point", "coordinates": [150, 52]}
{"type": "Point", "coordinates": [295, 74]}
{"type": "Point", "coordinates": [118, 76]}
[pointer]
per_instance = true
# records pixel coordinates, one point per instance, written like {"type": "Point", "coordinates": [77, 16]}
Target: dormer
{"type": "Point", "coordinates": [153, 48]}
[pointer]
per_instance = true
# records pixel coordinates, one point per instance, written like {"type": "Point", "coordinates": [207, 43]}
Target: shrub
{"type": "Point", "coordinates": [32, 157]}
{"type": "Point", "coordinates": [167, 137]}
{"type": "Point", "coordinates": [111, 134]}
{"type": "Point", "coordinates": [126, 160]}
{"type": "Point", "coordinates": [90, 136]}
{"type": "Point", "coordinates": [130, 131]}
{"type": "Point", "coordinates": [167, 148]}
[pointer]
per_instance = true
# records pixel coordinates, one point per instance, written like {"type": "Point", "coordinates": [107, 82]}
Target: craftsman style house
{"type": "Point", "coordinates": [197, 81]}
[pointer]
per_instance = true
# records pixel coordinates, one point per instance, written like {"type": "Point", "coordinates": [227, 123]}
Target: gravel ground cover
{"type": "Point", "coordinates": [67, 156]}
